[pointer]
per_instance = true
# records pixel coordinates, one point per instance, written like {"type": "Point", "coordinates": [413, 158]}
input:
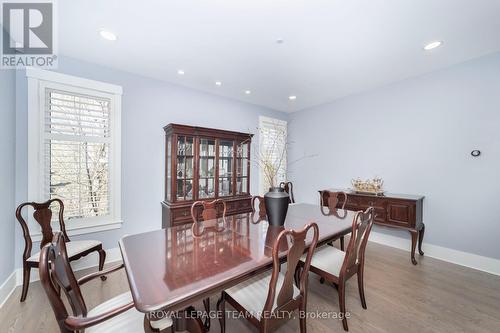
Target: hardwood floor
{"type": "Point", "coordinates": [433, 296]}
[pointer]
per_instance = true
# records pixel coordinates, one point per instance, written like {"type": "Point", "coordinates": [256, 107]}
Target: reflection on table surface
{"type": "Point", "coordinates": [166, 267]}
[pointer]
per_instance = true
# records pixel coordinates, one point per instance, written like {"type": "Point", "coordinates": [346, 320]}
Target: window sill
{"type": "Point", "coordinates": [85, 229]}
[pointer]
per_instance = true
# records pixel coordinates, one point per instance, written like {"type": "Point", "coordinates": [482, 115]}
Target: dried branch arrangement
{"type": "Point", "coordinates": [271, 157]}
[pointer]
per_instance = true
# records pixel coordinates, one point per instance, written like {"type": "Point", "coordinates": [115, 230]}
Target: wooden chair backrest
{"type": "Point", "coordinates": [209, 209]}
{"type": "Point", "coordinates": [332, 201]}
{"type": "Point", "coordinates": [295, 251]}
{"type": "Point", "coordinates": [361, 228]}
{"type": "Point", "coordinates": [43, 216]}
{"type": "Point", "coordinates": [288, 187]}
{"type": "Point", "coordinates": [262, 209]}
{"type": "Point", "coordinates": [55, 275]}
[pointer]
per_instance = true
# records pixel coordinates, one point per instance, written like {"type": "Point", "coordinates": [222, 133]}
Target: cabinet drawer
{"type": "Point", "coordinates": [181, 213]}
{"type": "Point", "coordinates": [244, 204]}
{"type": "Point", "coordinates": [351, 204]}
{"type": "Point", "coordinates": [231, 206]}
{"type": "Point", "coordinates": [378, 204]}
{"type": "Point", "coordinates": [370, 202]}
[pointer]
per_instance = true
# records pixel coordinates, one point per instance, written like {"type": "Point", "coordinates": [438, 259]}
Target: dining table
{"type": "Point", "coordinates": [171, 269]}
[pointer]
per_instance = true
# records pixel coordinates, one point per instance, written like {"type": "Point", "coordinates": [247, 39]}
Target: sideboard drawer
{"type": "Point", "coordinates": [352, 203]}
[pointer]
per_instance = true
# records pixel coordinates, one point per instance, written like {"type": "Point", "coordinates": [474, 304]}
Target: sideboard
{"type": "Point", "coordinates": [400, 211]}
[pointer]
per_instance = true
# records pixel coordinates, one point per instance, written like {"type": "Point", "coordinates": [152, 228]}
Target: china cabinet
{"type": "Point", "coordinates": [205, 164]}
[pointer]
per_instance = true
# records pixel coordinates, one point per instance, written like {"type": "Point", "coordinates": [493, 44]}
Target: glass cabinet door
{"type": "Point", "coordinates": [242, 165]}
{"type": "Point", "coordinates": [226, 156]}
{"type": "Point", "coordinates": [206, 182]}
{"type": "Point", "coordinates": [185, 167]}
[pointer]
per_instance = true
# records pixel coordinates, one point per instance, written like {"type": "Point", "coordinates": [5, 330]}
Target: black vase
{"type": "Point", "coordinates": [276, 205]}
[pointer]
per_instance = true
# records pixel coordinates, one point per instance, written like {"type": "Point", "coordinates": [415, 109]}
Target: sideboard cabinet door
{"type": "Point", "coordinates": [401, 213]}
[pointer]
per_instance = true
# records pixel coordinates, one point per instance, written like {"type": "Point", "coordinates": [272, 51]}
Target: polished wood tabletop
{"type": "Point", "coordinates": [170, 269]}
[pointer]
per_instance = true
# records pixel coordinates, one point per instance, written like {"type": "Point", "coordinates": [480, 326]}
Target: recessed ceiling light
{"type": "Point", "coordinates": [433, 45]}
{"type": "Point", "coordinates": [292, 97]}
{"type": "Point", "coordinates": [180, 72]}
{"type": "Point", "coordinates": [279, 41]}
{"type": "Point", "coordinates": [108, 35]}
{"type": "Point", "coordinates": [218, 83]}
{"type": "Point", "coordinates": [248, 92]}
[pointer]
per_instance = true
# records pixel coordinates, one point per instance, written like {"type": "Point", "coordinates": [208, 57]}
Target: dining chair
{"type": "Point", "coordinates": [268, 298]}
{"type": "Point", "coordinates": [261, 209]}
{"type": "Point", "coordinates": [115, 315]}
{"type": "Point", "coordinates": [337, 266]}
{"type": "Point", "coordinates": [288, 187]}
{"type": "Point", "coordinates": [43, 216]}
{"type": "Point", "coordinates": [332, 202]}
{"type": "Point", "coordinates": [209, 212]}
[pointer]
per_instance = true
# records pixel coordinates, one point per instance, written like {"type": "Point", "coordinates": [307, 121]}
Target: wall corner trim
{"type": "Point", "coordinates": [8, 287]}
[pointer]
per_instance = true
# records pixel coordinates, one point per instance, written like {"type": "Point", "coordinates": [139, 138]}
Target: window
{"type": "Point", "coordinates": [74, 148]}
{"type": "Point", "coordinates": [272, 157]}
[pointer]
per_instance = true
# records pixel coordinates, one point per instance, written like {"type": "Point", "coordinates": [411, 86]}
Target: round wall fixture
{"type": "Point", "coordinates": [475, 153]}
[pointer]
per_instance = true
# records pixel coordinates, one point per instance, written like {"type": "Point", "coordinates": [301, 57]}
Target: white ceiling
{"type": "Point", "coordinates": [331, 48]}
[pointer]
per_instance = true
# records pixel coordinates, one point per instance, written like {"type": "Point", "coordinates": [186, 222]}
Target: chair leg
{"type": "Point", "coordinates": [221, 308]}
{"type": "Point", "coordinates": [102, 259]}
{"type": "Point", "coordinates": [341, 290]}
{"type": "Point", "coordinates": [26, 282]}
{"type": "Point", "coordinates": [296, 276]}
{"type": "Point", "coordinates": [361, 288]}
{"type": "Point", "coordinates": [206, 304]}
{"type": "Point", "coordinates": [302, 318]}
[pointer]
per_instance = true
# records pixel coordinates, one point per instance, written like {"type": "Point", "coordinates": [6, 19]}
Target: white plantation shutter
{"type": "Point", "coordinates": [76, 152]}
{"type": "Point", "coordinates": [272, 143]}
{"type": "Point", "coordinates": [74, 149]}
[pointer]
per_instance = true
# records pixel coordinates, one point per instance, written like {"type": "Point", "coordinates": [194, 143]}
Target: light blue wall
{"type": "Point", "coordinates": [7, 144]}
{"type": "Point", "coordinates": [147, 106]}
{"type": "Point", "coordinates": [417, 135]}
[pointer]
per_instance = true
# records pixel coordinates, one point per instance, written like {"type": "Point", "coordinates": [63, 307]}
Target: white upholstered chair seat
{"type": "Point", "coordinates": [252, 293]}
{"type": "Point", "coordinates": [327, 258]}
{"type": "Point", "coordinates": [73, 247]}
{"type": "Point", "coordinates": [131, 321]}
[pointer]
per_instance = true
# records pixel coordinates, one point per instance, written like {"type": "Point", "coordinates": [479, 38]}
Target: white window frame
{"type": "Point", "coordinates": [280, 122]}
{"type": "Point", "coordinates": [38, 81]}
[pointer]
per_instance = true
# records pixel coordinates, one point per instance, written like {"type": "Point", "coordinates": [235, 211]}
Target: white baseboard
{"type": "Point", "coordinates": [7, 288]}
{"type": "Point", "coordinates": [91, 260]}
{"type": "Point", "coordinates": [481, 263]}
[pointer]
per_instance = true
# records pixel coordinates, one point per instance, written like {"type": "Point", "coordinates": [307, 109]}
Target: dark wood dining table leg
{"type": "Point", "coordinates": [188, 321]}
{"type": "Point", "coordinates": [206, 304]}
{"type": "Point", "coordinates": [341, 243]}
{"type": "Point", "coordinates": [421, 239]}
{"type": "Point", "coordinates": [414, 234]}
